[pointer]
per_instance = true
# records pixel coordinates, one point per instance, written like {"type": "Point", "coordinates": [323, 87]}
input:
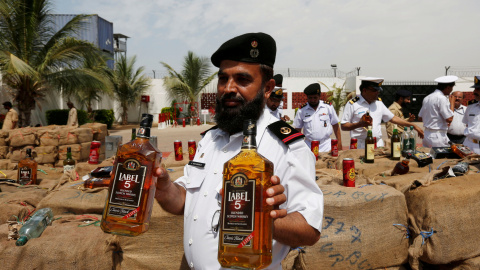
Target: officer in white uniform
{"type": "Point", "coordinates": [279, 111]}
{"type": "Point", "coordinates": [472, 120]}
{"type": "Point", "coordinates": [272, 104]}
{"type": "Point", "coordinates": [436, 113]}
{"type": "Point", "coordinates": [196, 195]}
{"type": "Point", "coordinates": [368, 101]}
{"type": "Point", "coordinates": [318, 120]}
{"type": "Point", "coordinates": [457, 127]}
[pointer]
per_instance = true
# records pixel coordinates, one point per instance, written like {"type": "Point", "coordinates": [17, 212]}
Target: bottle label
{"type": "Point", "coordinates": [239, 213]}
{"type": "Point", "coordinates": [396, 149]}
{"type": "Point", "coordinates": [25, 175]}
{"type": "Point", "coordinates": [67, 168]}
{"type": "Point", "coordinates": [370, 149]}
{"type": "Point", "coordinates": [127, 187]}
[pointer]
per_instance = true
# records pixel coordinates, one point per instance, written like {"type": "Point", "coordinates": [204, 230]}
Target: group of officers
{"type": "Point", "coordinates": [444, 117]}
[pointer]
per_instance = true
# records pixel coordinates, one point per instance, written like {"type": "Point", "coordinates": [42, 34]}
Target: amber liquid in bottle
{"type": "Point", "coordinates": [395, 144]}
{"type": "Point", "coordinates": [367, 118]}
{"type": "Point", "coordinates": [97, 182]}
{"type": "Point", "coordinates": [401, 167]}
{"type": "Point", "coordinates": [369, 147]}
{"type": "Point", "coordinates": [27, 170]}
{"type": "Point", "coordinates": [246, 228]}
{"type": "Point", "coordinates": [132, 187]}
{"type": "Point", "coordinates": [460, 149]}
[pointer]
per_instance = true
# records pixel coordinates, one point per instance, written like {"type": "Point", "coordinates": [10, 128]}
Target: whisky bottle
{"type": "Point", "coordinates": [395, 144]}
{"type": "Point", "coordinates": [94, 182]}
{"type": "Point", "coordinates": [246, 228]}
{"type": "Point", "coordinates": [131, 191]}
{"type": "Point", "coordinates": [69, 162]}
{"type": "Point", "coordinates": [35, 226]}
{"type": "Point", "coordinates": [401, 167]}
{"type": "Point", "coordinates": [27, 170]}
{"type": "Point", "coordinates": [369, 146]}
{"type": "Point", "coordinates": [460, 149]}
{"type": "Point", "coordinates": [367, 118]}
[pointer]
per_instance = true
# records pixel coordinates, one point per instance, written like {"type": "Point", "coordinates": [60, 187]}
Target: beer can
{"type": "Point", "coordinates": [192, 148]}
{"type": "Point", "coordinates": [314, 147]}
{"type": "Point", "coordinates": [353, 143]}
{"type": "Point", "coordinates": [334, 148]}
{"type": "Point", "coordinates": [375, 140]}
{"type": "Point", "coordinates": [348, 172]}
{"type": "Point", "coordinates": [94, 152]}
{"type": "Point", "coordinates": [178, 150]}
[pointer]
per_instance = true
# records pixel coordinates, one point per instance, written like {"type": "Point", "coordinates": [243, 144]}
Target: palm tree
{"type": "Point", "coordinates": [34, 59]}
{"type": "Point", "coordinates": [187, 84]}
{"type": "Point", "coordinates": [336, 96]}
{"type": "Point", "coordinates": [128, 84]}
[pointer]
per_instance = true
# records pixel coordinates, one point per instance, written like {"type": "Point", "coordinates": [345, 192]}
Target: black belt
{"type": "Point", "coordinates": [455, 137]}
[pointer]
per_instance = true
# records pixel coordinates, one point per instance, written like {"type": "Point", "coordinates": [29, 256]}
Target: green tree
{"type": "Point", "coordinates": [128, 84]}
{"type": "Point", "coordinates": [336, 96]}
{"type": "Point", "coordinates": [187, 84]}
{"type": "Point", "coordinates": [34, 59]}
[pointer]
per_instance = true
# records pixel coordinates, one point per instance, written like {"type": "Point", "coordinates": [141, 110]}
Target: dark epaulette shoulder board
{"type": "Point", "coordinates": [473, 101]}
{"type": "Point", "coordinates": [205, 132]}
{"type": "Point", "coordinates": [303, 105]}
{"type": "Point", "coordinates": [353, 100]}
{"type": "Point", "coordinates": [286, 133]}
{"type": "Point", "coordinates": [379, 99]}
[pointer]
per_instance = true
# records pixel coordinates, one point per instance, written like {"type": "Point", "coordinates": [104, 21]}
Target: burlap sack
{"type": "Point", "coordinates": [470, 264]}
{"type": "Point", "coordinates": [99, 131]}
{"type": "Point", "coordinates": [83, 134]}
{"type": "Point", "coordinates": [46, 154]}
{"type": "Point", "coordinates": [71, 242]}
{"type": "Point", "coordinates": [335, 177]}
{"type": "Point", "coordinates": [83, 168]}
{"type": "Point", "coordinates": [76, 152]}
{"type": "Point", "coordinates": [444, 222]}
{"type": "Point", "coordinates": [362, 229]}
{"type": "Point", "coordinates": [3, 152]}
{"type": "Point", "coordinates": [67, 136]}
{"type": "Point", "coordinates": [49, 137]}
{"type": "Point", "coordinates": [3, 137]}
{"type": "Point", "coordinates": [6, 164]}
{"type": "Point", "coordinates": [19, 202]}
{"type": "Point", "coordinates": [85, 151]}
{"type": "Point", "coordinates": [17, 154]}
{"type": "Point", "coordinates": [164, 240]}
{"type": "Point", "coordinates": [22, 136]}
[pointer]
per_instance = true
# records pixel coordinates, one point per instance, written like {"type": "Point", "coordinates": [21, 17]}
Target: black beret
{"type": "Point", "coordinates": [313, 89]}
{"type": "Point", "coordinates": [476, 80]}
{"type": "Point", "coordinates": [278, 79]}
{"type": "Point", "coordinates": [277, 93]}
{"type": "Point", "coordinates": [251, 48]}
{"type": "Point", "coordinates": [7, 103]}
{"type": "Point", "coordinates": [404, 93]}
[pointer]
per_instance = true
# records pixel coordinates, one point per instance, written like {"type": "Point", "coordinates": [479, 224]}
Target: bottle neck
{"type": "Point", "coordinates": [69, 155]}
{"type": "Point", "coordinates": [143, 132]}
{"type": "Point", "coordinates": [249, 142]}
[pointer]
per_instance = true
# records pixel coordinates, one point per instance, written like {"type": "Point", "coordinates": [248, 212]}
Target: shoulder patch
{"type": "Point", "coordinates": [205, 132]}
{"type": "Point", "coordinates": [286, 133]}
{"type": "Point", "coordinates": [303, 105]}
{"type": "Point", "coordinates": [473, 101]}
{"type": "Point", "coordinates": [353, 100]}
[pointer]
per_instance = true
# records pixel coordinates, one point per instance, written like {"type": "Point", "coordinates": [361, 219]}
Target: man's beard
{"type": "Point", "coordinates": [231, 119]}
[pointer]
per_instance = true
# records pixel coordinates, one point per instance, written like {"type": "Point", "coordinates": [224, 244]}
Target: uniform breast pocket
{"type": "Point", "coordinates": [194, 182]}
{"type": "Point", "coordinates": [324, 120]}
{"type": "Point", "coordinates": [473, 119]}
{"type": "Point", "coordinates": [308, 123]}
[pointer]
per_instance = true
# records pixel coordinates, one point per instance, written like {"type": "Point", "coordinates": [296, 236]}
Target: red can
{"type": "Point", "coordinates": [334, 148]}
{"type": "Point", "coordinates": [353, 143]}
{"type": "Point", "coordinates": [348, 172]}
{"type": "Point", "coordinates": [178, 150]}
{"type": "Point", "coordinates": [314, 147]}
{"type": "Point", "coordinates": [94, 152]}
{"type": "Point", "coordinates": [192, 149]}
{"type": "Point", "coordinates": [375, 140]}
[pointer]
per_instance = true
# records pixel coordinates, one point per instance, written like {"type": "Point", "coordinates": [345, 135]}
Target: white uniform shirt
{"type": "Point", "coordinates": [457, 127]}
{"type": "Point", "coordinates": [472, 120]}
{"type": "Point", "coordinates": [275, 113]}
{"type": "Point", "coordinates": [316, 124]}
{"type": "Point", "coordinates": [293, 164]}
{"type": "Point", "coordinates": [435, 110]}
{"type": "Point", "coordinates": [378, 111]}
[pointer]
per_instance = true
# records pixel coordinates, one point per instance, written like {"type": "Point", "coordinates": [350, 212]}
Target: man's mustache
{"type": "Point", "coordinates": [232, 97]}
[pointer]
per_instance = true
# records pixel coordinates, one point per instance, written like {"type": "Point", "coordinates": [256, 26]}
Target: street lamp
{"type": "Point", "coordinates": [334, 67]}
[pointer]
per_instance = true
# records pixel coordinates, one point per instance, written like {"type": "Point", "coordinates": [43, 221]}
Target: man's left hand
{"type": "Point", "coordinates": [411, 117]}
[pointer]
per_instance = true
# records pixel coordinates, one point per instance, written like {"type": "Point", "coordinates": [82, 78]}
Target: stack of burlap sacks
{"type": "Point", "coordinates": [49, 144]}
{"type": "Point", "coordinates": [383, 223]}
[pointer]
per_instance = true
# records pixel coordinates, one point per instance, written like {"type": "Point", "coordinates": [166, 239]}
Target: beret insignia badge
{"type": "Point", "coordinates": [254, 53]}
{"type": "Point", "coordinates": [254, 44]}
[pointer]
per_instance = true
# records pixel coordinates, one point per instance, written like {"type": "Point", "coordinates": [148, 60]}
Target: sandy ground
{"type": "Point", "coordinates": [166, 136]}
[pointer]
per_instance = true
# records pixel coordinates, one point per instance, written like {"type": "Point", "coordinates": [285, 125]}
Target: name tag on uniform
{"type": "Point", "coordinates": [196, 164]}
{"type": "Point", "coordinates": [471, 115]}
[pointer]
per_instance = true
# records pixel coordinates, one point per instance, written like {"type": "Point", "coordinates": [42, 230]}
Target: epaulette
{"type": "Point", "coordinates": [303, 105]}
{"type": "Point", "coordinates": [353, 100]}
{"type": "Point", "coordinates": [473, 101]}
{"type": "Point", "coordinates": [205, 132]}
{"type": "Point", "coordinates": [286, 133]}
{"type": "Point", "coordinates": [379, 99]}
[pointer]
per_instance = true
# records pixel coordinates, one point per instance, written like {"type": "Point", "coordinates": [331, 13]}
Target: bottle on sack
{"type": "Point", "coordinates": [35, 226]}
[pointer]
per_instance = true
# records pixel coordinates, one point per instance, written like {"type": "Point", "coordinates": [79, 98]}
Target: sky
{"type": "Point", "coordinates": [396, 40]}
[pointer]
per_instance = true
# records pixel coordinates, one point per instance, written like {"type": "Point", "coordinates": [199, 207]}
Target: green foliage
{"type": "Point", "coordinates": [336, 96]}
{"type": "Point", "coordinates": [104, 116]}
{"type": "Point", "coordinates": [170, 110]}
{"type": "Point", "coordinates": [60, 117]}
